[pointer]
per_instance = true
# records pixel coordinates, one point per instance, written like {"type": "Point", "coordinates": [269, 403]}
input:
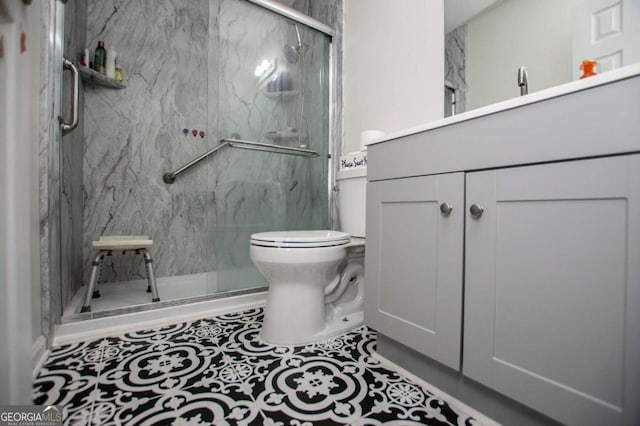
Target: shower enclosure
{"type": "Point", "coordinates": [196, 73]}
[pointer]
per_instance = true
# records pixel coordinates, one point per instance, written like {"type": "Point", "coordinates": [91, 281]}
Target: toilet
{"type": "Point", "coordinates": [315, 277]}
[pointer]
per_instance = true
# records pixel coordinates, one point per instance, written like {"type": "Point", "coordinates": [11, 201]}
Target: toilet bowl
{"type": "Point", "coordinates": [316, 278]}
{"type": "Point", "coordinates": [308, 274]}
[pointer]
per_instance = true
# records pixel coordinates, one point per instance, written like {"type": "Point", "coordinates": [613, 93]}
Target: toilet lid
{"type": "Point", "coordinates": [300, 239]}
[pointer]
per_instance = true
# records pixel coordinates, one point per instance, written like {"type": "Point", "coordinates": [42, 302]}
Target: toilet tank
{"type": "Point", "coordinates": [352, 186]}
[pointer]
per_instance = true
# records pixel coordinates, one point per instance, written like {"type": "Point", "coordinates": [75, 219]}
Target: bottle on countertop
{"type": "Point", "coordinates": [100, 58]}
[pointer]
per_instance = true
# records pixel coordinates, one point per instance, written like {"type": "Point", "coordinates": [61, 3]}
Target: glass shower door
{"type": "Point", "coordinates": [272, 87]}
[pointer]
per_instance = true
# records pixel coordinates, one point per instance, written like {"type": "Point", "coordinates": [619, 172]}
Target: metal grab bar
{"type": "Point", "coordinates": [170, 177]}
{"type": "Point", "coordinates": [259, 146]}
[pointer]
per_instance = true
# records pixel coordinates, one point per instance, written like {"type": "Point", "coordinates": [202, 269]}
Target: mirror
{"type": "Point", "coordinates": [486, 41]}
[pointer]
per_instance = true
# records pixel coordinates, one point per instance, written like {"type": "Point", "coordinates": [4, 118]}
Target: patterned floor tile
{"type": "Point", "coordinates": [185, 408]}
{"type": "Point", "coordinates": [157, 334]}
{"type": "Point", "coordinates": [316, 389]}
{"type": "Point", "coordinates": [67, 388]}
{"type": "Point", "coordinates": [218, 371]}
{"type": "Point", "coordinates": [355, 345]}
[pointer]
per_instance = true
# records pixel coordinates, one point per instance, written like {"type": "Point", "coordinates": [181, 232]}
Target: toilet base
{"type": "Point", "coordinates": [333, 328]}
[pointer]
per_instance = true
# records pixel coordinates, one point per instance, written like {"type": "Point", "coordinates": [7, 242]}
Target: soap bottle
{"type": "Point", "coordinates": [110, 67]}
{"type": "Point", "coordinates": [100, 58]}
{"type": "Point", "coordinates": [84, 61]}
{"type": "Point", "coordinates": [587, 68]}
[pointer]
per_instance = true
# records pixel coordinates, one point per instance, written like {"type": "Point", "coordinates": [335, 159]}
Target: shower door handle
{"type": "Point", "coordinates": [68, 127]}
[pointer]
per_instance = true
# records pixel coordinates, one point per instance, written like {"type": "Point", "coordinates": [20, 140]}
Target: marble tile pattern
{"type": "Point", "coordinates": [331, 13]}
{"type": "Point", "coordinates": [133, 136]}
{"type": "Point", "coordinates": [217, 371]}
{"type": "Point", "coordinates": [190, 64]}
{"type": "Point", "coordinates": [455, 66]}
{"type": "Point", "coordinates": [49, 263]}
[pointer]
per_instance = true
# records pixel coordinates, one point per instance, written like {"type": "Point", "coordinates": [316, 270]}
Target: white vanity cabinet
{"type": "Point", "coordinates": [414, 262]}
{"type": "Point", "coordinates": [551, 280]}
{"type": "Point", "coordinates": [552, 287]}
{"type": "Point", "coordinates": [531, 291]}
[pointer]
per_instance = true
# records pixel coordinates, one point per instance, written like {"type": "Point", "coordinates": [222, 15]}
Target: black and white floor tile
{"type": "Point", "coordinates": [216, 371]}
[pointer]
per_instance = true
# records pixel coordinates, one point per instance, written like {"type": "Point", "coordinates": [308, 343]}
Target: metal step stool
{"type": "Point", "coordinates": [108, 244]}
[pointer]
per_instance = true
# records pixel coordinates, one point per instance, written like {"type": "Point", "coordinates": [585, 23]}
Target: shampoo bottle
{"type": "Point", "coordinates": [111, 64]}
{"type": "Point", "coordinates": [100, 58]}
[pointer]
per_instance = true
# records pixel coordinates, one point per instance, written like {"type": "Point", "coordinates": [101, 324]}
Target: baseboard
{"type": "Point", "coordinates": [454, 403]}
{"type": "Point", "coordinates": [39, 354]}
{"type": "Point", "coordinates": [453, 383]}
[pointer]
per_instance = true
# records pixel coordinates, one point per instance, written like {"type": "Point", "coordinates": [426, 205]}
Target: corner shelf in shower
{"type": "Point", "coordinates": [281, 135]}
{"type": "Point", "coordinates": [287, 94]}
{"type": "Point", "coordinates": [93, 76]}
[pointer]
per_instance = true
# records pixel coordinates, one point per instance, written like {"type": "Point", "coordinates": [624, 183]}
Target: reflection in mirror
{"type": "Point", "coordinates": [487, 41]}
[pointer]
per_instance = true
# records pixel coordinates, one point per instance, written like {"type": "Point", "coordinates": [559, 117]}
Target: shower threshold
{"type": "Point", "coordinates": [158, 314]}
{"type": "Point", "coordinates": [126, 297]}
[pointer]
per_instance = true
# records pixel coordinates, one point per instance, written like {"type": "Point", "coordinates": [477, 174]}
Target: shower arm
{"type": "Point", "coordinates": [170, 177]}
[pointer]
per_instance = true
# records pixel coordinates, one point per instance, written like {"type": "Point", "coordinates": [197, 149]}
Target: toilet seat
{"type": "Point", "coordinates": [300, 239]}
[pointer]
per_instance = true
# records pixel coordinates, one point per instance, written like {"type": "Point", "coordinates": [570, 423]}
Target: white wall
{"type": "Point", "coordinates": [19, 231]}
{"type": "Point", "coordinates": [537, 34]}
{"type": "Point", "coordinates": [393, 65]}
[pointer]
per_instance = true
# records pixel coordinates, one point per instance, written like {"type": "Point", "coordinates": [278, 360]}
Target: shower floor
{"type": "Point", "coordinates": [217, 371]}
{"type": "Point", "coordinates": [132, 293]}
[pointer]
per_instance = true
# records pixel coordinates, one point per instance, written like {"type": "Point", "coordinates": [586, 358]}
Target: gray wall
{"type": "Point", "coordinates": [19, 133]}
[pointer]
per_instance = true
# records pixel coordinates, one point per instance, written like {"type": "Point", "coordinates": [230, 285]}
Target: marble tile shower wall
{"type": "Point", "coordinates": [49, 213]}
{"type": "Point", "coordinates": [182, 64]}
{"type": "Point", "coordinates": [133, 136]}
{"type": "Point", "coordinates": [455, 66]}
{"type": "Point", "coordinates": [330, 12]}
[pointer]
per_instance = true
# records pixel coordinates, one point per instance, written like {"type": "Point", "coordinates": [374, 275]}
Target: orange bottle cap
{"type": "Point", "coordinates": [587, 68]}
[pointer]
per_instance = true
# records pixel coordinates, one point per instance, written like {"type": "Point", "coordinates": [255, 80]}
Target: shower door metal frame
{"type": "Point", "coordinates": [50, 234]}
{"type": "Point", "coordinates": [330, 32]}
{"type": "Point", "coordinates": [295, 15]}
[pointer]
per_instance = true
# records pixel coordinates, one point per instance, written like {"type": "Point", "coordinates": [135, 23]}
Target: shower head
{"type": "Point", "coordinates": [292, 52]}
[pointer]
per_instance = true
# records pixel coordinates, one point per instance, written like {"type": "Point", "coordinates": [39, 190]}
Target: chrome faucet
{"type": "Point", "coordinates": [523, 80]}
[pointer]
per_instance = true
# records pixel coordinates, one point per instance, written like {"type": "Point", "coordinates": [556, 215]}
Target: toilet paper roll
{"type": "Point", "coordinates": [366, 137]}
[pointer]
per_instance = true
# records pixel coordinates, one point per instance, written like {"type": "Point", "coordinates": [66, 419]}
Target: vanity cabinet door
{"type": "Point", "coordinates": [413, 289]}
{"type": "Point", "coordinates": [552, 287]}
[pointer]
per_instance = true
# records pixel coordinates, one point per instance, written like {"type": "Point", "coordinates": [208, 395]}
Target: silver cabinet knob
{"type": "Point", "coordinates": [476, 210]}
{"type": "Point", "coordinates": [445, 209]}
